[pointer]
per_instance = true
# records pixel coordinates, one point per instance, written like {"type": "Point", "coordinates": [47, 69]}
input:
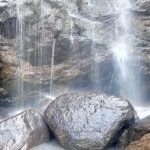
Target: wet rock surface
{"type": "Point", "coordinates": [23, 131]}
{"type": "Point", "coordinates": [88, 120]}
{"type": "Point", "coordinates": [134, 133]}
{"type": "Point", "coordinates": [61, 20]}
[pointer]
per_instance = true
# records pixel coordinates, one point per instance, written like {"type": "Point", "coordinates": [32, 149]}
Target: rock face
{"type": "Point", "coordinates": [81, 28]}
{"type": "Point", "coordinates": [134, 133]}
{"type": "Point", "coordinates": [88, 120]}
{"type": "Point", "coordinates": [83, 31]}
{"type": "Point", "coordinates": [141, 33]}
{"type": "Point", "coordinates": [23, 131]}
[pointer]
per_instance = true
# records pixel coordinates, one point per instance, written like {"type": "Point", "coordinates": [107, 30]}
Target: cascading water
{"type": "Point", "coordinates": [19, 43]}
{"type": "Point", "coordinates": [52, 66]}
{"type": "Point", "coordinates": [95, 66]}
{"type": "Point", "coordinates": [47, 47]}
{"type": "Point", "coordinates": [123, 51]}
{"type": "Point", "coordinates": [40, 42]}
{"type": "Point", "coordinates": [71, 31]}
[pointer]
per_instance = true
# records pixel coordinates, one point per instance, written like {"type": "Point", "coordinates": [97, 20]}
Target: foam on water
{"type": "Point", "coordinates": [142, 112]}
{"type": "Point", "coordinates": [53, 145]}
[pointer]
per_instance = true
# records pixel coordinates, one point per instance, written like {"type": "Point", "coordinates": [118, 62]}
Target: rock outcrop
{"type": "Point", "coordinates": [23, 131]}
{"type": "Point", "coordinates": [140, 34]}
{"type": "Point", "coordinates": [88, 120]}
{"type": "Point", "coordinates": [81, 33]}
{"type": "Point", "coordinates": [80, 28]}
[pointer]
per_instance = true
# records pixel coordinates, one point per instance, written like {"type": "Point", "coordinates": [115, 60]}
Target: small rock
{"type": "Point", "coordinates": [135, 132]}
{"type": "Point", "coordinates": [23, 131]}
{"type": "Point", "coordinates": [142, 144]}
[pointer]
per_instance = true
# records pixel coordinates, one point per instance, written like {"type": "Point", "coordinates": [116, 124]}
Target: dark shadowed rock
{"type": "Point", "coordinates": [142, 144]}
{"type": "Point", "coordinates": [82, 121]}
{"type": "Point", "coordinates": [23, 131]}
{"type": "Point", "coordinates": [134, 133]}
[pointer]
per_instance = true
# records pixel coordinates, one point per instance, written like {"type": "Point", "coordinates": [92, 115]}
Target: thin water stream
{"type": "Point", "coordinates": [52, 66]}
{"type": "Point", "coordinates": [19, 43]}
{"type": "Point", "coordinates": [71, 31]}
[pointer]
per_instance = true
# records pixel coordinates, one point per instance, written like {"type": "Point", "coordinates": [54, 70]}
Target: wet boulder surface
{"type": "Point", "coordinates": [23, 131]}
{"type": "Point", "coordinates": [86, 121]}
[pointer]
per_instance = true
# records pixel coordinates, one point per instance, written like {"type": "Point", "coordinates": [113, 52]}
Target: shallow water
{"type": "Point", "coordinates": [142, 112]}
{"type": "Point", "coordinates": [53, 145]}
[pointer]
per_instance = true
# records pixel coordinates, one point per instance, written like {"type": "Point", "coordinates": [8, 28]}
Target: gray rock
{"type": "Point", "coordinates": [134, 133]}
{"type": "Point", "coordinates": [141, 6]}
{"type": "Point", "coordinates": [23, 131]}
{"type": "Point", "coordinates": [88, 120]}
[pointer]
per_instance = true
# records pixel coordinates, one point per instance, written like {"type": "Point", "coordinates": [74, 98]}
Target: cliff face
{"type": "Point", "coordinates": [83, 32]}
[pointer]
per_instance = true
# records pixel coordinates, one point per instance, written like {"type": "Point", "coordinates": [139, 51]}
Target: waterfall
{"type": "Point", "coordinates": [123, 51]}
{"type": "Point", "coordinates": [60, 52]}
{"type": "Point", "coordinates": [40, 42]}
{"type": "Point", "coordinates": [52, 66]}
{"type": "Point", "coordinates": [71, 31]}
{"type": "Point", "coordinates": [95, 59]}
{"type": "Point", "coordinates": [19, 43]}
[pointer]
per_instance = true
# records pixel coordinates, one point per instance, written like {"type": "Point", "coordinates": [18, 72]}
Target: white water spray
{"type": "Point", "coordinates": [95, 58]}
{"type": "Point", "coordinates": [53, 145]}
{"type": "Point", "coordinates": [122, 50]}
{"type": "Point", "coordinates": [71, 31]}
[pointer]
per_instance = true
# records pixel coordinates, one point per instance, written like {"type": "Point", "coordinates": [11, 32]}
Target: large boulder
{"type": "Point", "coordinates": [23, 131]}
{"type": "Point", "coordinates": [88, 120]}
{"type": "Point", "coordinates": [134, 133]}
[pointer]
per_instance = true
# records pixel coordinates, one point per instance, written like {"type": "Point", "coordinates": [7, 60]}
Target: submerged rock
{"type": "Point", "coordinates": [88, 120]}
{"type": "Point", "coordinates": [23, 131]}
{"type": "Point", "coordinates": [135, 132]}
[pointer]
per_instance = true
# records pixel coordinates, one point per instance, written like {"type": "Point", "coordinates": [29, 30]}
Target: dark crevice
{"type": "Point", "coordinates": [8, 28]}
